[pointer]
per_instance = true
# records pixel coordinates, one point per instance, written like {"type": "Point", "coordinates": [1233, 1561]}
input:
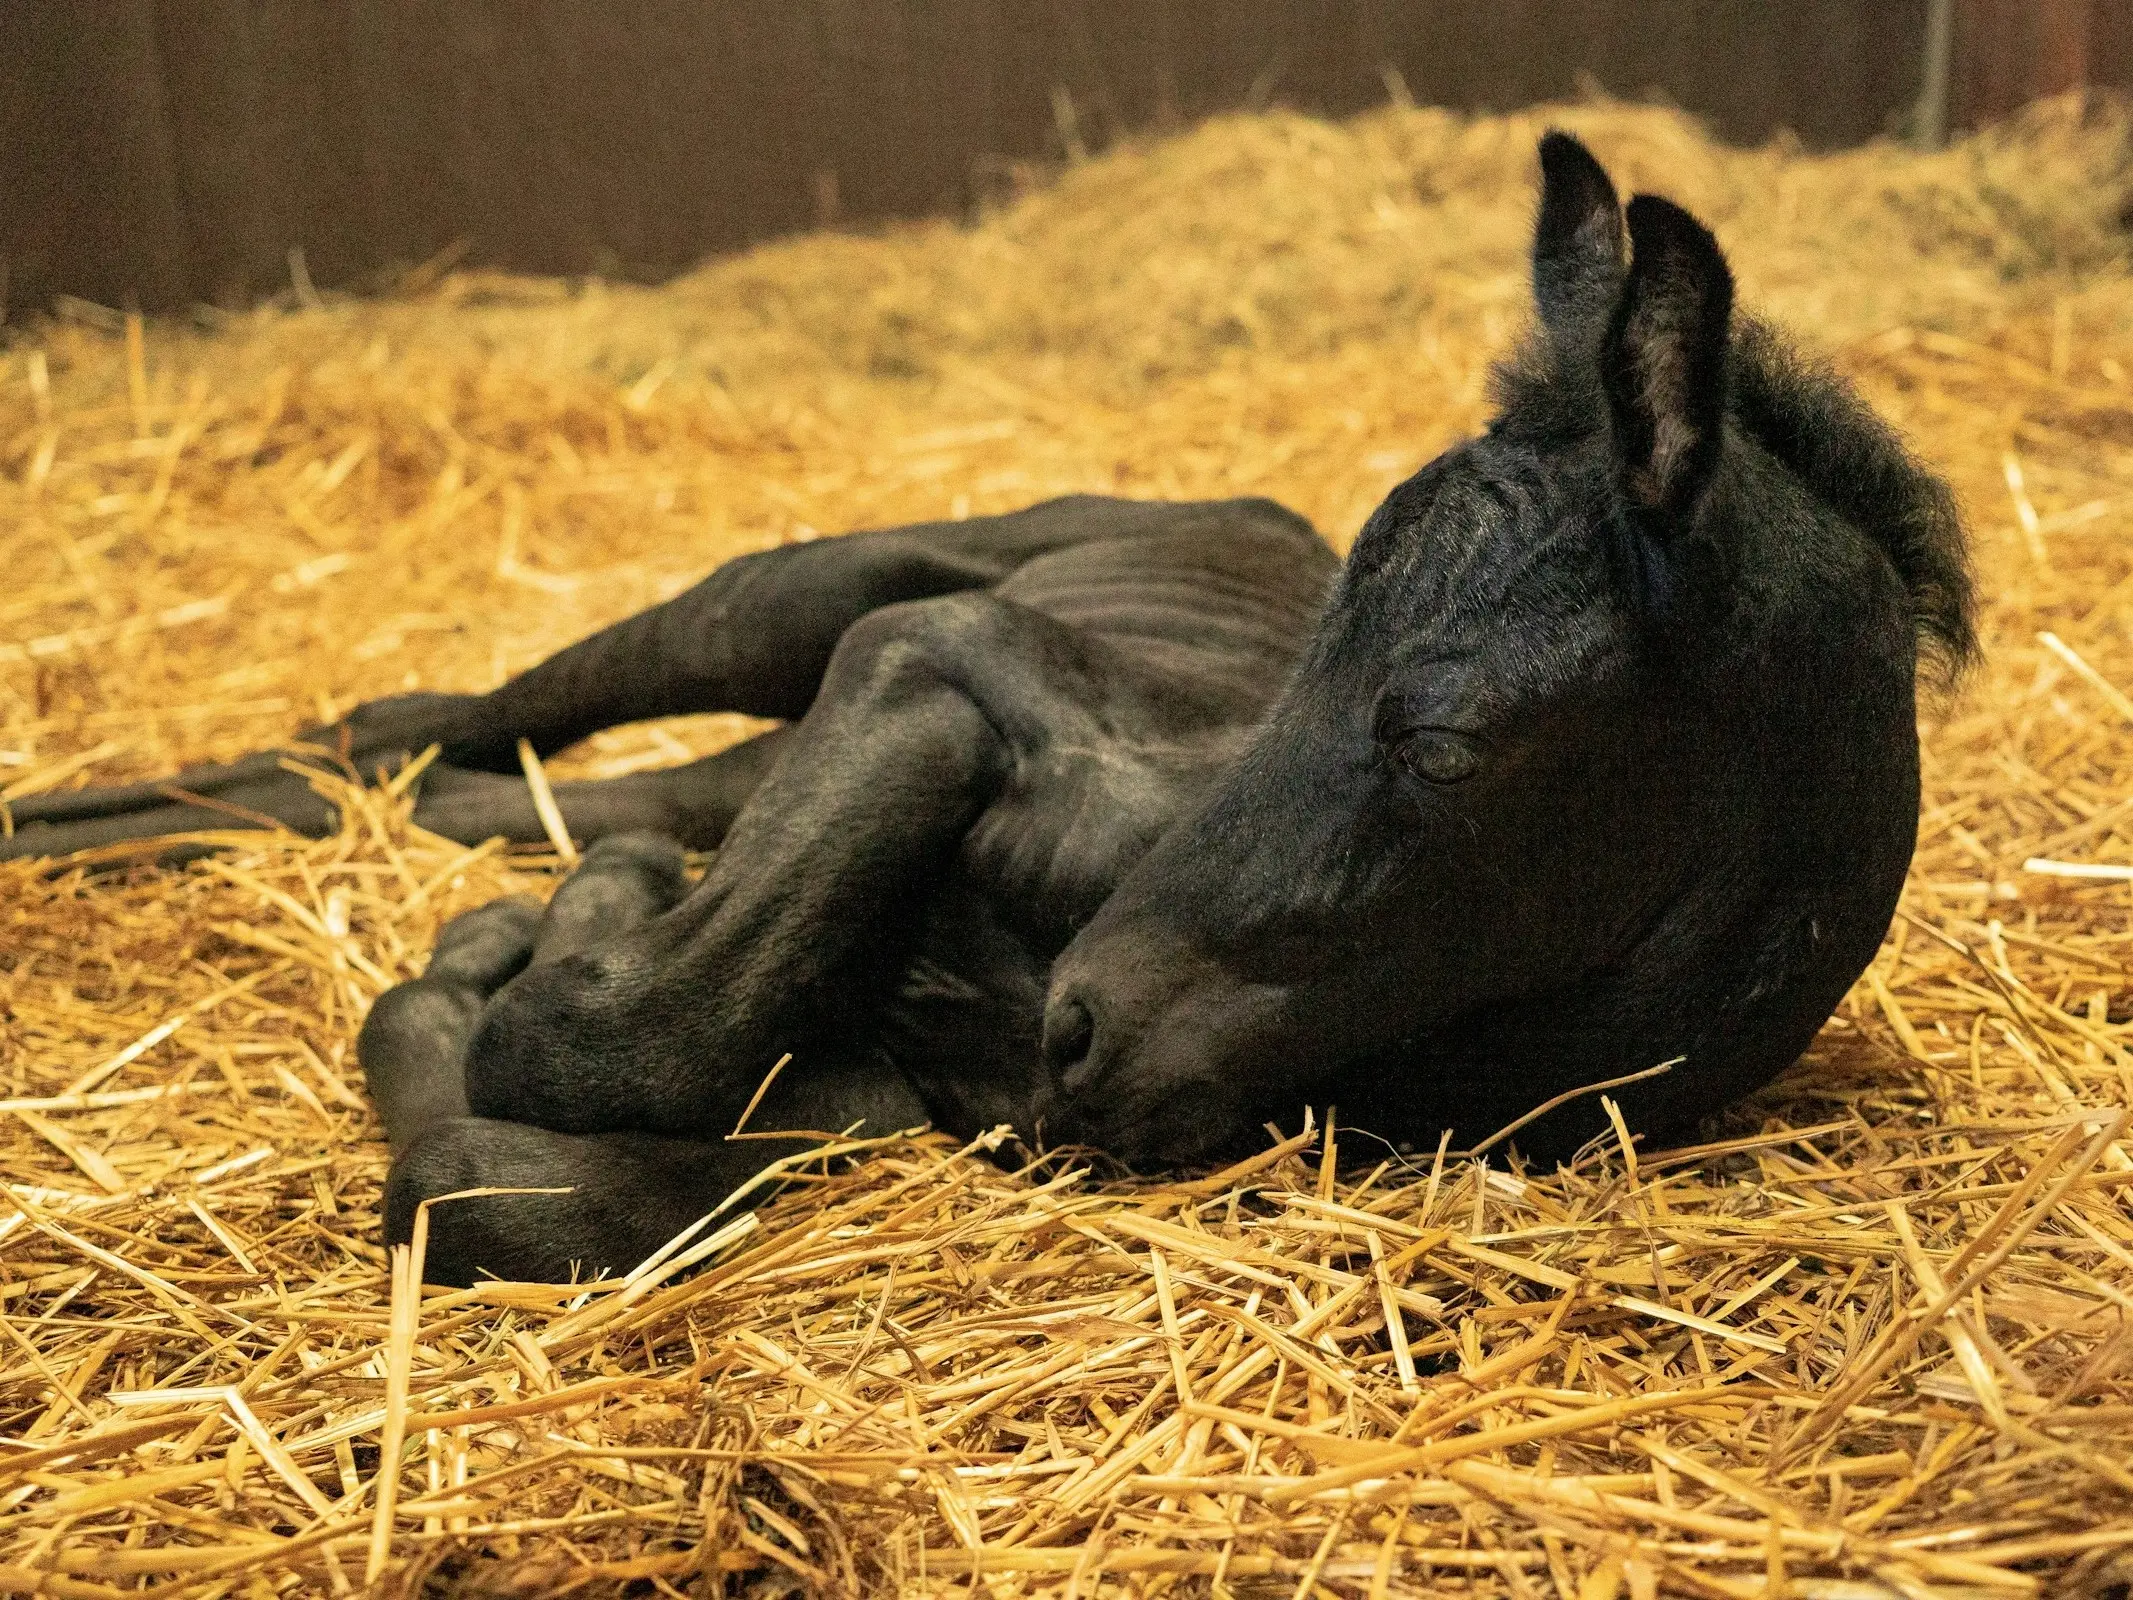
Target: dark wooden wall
{"type": "Point", "coordinates": [160, 152]}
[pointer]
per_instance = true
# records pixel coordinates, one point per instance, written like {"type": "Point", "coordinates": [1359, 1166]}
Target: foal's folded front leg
{"type": "Point", "coordinates": [604, 1201]}
{"type": "Point", "coordinates": [413, 1045]}
{"type": "Point", "coordinates": [670, 1027]}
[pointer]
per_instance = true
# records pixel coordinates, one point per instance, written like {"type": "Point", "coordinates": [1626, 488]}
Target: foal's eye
{"type": "Point", "coordinates": [1435, 756]}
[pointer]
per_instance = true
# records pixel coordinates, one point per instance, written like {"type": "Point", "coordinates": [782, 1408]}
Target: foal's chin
{"type": "Point", "coordinates": [1171, 1130]}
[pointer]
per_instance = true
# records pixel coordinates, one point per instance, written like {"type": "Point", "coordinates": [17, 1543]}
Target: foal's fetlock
{"type": "Point", "coordinates": [398, 726]}
{"type": "Point", "coordinates": [625, 879]}
{"type": "Point", "coordinates": [555, 1050]}
{"type": "Point", "coordinates": [488, 946]}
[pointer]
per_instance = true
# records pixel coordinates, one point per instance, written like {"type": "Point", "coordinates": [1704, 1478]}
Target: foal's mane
{"type": "Point", "coordinates": [1812, 420]}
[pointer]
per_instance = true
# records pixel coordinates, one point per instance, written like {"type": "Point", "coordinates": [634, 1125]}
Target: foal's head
{"type": "Point", "coordinates": [1603, 753]}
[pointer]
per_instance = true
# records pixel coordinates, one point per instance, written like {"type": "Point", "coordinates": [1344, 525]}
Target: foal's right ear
{"type": "Point", "coordinates": [1664, 361]}
{"type": "Point", "coordinates": [1578, 244]}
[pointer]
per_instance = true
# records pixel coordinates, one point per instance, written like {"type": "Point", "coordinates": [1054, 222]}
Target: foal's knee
{"type": "Point", "coordinates": [913, 644]}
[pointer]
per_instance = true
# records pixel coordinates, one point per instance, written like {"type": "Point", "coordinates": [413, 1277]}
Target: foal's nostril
{"type": "Point", "coordinates": [1069, 1032]}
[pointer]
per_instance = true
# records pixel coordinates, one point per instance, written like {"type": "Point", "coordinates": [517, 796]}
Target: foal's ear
{"type": "Point", "coordinates": [1577, 243]}
{"type": "Point", "coordinates": [1664, 360]}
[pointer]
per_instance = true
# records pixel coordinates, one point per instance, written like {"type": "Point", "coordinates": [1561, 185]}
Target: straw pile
{"type": "Point", "coordinates": [1872, 1340]}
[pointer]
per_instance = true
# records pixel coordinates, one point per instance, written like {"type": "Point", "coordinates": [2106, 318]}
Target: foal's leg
{"type": "Point", "coordinates": [628, 1192]}
{"type": "Point", "coordinates": [413, 1044]}
{"type": "Point", "coordinates": [924, 715]}
{"type": "Point", "coordinates": [694, 803]}
{"type": "Point", "coordinates": [754, 637]}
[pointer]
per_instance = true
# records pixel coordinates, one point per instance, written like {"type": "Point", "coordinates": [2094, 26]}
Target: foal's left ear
{"type": "Point", "coordinates": [1664, 359]}
{"type": "Point", "coordinates": [1577, 244]}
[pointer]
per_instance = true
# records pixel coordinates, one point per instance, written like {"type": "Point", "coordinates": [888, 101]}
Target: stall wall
{"type": "Point", "coordinates": [161, 152]}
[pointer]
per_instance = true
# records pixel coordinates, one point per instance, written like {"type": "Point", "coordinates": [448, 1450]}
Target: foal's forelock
{"type": "Point", "coordinates": [1502, 544]}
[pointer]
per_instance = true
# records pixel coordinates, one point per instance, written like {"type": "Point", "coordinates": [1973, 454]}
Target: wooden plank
{"type": "Point", "coordinates": [91, 204]}
{"type": "Point", "coordinates": [178, 149]}
{"type": "Point", "coordinates": [2010, 52]}
{"type": "Point", "coordinates": [211, 79]}
{"type": "Point", "coordinates": [2111, 46]}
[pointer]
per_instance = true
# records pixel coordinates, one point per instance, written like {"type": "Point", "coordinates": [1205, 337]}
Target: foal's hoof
{"type": "Point", "coordinates": [413, 1045]}
{"type": "Point", "coordinates": [487, 947]}
{"type": "Point", "coordinates": [410, 1048]}
{"type": "Point", "coordinates": [625, 879]}
{"type": "Point", "coordinates": [524, 1238]}
{"type": "Point", "coordinates": [254, 792]}
{"type": "Point", "coordinates": [621, 1197]}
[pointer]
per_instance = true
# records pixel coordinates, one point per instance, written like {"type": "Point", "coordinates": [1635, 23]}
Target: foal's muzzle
{"type": "Point", "coordinates": [1068, 1050]}
{"type": "Point", "coordinates": [1151, 1051]}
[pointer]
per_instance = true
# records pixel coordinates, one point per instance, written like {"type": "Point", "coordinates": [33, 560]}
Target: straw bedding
{"type": "Point", "coordinates": [1870, 1340]}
